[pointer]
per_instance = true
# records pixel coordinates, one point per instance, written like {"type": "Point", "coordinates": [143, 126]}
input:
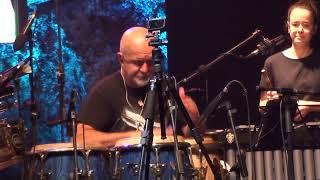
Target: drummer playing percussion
{"type": "Point", "coordinates": [297, 67]}
{"type": "Point", "coordinates": [114, 107]}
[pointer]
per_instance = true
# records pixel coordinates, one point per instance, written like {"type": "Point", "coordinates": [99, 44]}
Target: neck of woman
{"type": "Point", "coordinates": [299, 52]}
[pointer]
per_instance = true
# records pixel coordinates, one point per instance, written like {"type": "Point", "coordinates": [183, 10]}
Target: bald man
{"type": "Point", "coordinates": [114, 107]}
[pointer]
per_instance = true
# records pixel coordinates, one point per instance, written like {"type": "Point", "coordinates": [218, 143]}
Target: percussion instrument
{"type": "Point", "coordinates": [127, 153]}
{"type": "Point", "coordinates": [55, 161]}
{"type": "Point", "coordinates": [11, 144]}
{"type": "Point", "coordinates": [199, 163]}
{"type": "Point", "coordinates": [270, 162]}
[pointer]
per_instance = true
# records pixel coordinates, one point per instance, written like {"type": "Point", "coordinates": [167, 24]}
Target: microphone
{"type": "Point", "coordinates": [214, 104]}
{"type": "Point", "coordinates": [22, 37]}
{"type": "Point", "coordinates": [267, 47]}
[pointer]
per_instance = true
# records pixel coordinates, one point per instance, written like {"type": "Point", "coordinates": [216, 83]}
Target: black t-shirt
{"type": "Point", "coordinates": [303, 75]}
{"type": "Point", "coordinates": [106, 108]}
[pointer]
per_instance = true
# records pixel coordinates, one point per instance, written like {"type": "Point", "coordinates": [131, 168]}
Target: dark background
{"type": "Point", "coordinates": [199, 31]}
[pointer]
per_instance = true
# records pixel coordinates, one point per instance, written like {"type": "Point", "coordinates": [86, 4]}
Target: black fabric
{"type": "Point", "coordinates": [300, 74]}
{"type": "Point", "coordinates": [282, 72]}
{"type": "Point", "coordinates": [106, 108]}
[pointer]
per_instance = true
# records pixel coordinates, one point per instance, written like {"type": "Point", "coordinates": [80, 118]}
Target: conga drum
{"type": "Point", "coordinates": [56, 161]}
{"type": "Point", "coordinates": [126, 157]}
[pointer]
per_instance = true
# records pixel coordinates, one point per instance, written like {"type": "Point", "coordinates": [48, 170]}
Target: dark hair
{"type": "Point", "coordinates": [310, 5]}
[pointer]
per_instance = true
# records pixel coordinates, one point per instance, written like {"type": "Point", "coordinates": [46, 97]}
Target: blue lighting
{"type": "Point", "coordinates": [81, 57]}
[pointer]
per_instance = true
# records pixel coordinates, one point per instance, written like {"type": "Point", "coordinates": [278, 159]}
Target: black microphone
{"type": "Point", "coordinates": [214, 104]}
{"type": "Point", "coordinates": [22, 37]}
{"type": "Point", "coordinates": [267, 47]}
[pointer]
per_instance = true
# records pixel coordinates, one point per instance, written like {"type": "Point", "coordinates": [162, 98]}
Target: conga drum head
{"type": "Point", "coordinates": [57, 147]}
{"type": "Point", "coordinates": [134, 142]}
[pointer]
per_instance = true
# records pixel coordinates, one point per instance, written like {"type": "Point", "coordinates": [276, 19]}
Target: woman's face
{"type": "Point", "coordinates": [301, 27]}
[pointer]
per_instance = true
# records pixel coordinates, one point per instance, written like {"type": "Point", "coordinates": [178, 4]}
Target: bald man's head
{"type": "Point", "coordinates": [135, 57]}
{"type": "Point", "coordinates": [133, 40]}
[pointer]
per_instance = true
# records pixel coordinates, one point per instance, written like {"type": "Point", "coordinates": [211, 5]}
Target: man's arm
{"type": "Point", "coordinates": [97, 138]}
{"type": "Point", "coordinates": [193, 112]}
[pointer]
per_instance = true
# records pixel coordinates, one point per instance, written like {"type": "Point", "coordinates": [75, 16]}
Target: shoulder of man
{"type": "Point", "coordinates": [107, 83]}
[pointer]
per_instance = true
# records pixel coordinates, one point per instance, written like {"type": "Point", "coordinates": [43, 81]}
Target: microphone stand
{"type": "Point", "coordinates": [288, 127]}
{"type": "Point", "coordinates": [204, 68]}
{"type": "Point", "coordinates": [60, 73]}
{"type": "Point", "coordinates": [194, 131]}
{"type": "Point", "coordinates": [147, 134]}
{"type": "Point", "coordinates": [214, 104]}
{"type": "Point", "coordinates": [241, 164]}
{"type": "Point", "coordinates": [73, 117]}
{"type": "Point", "coordinates": [19, 43]}
{"type": "Point", "coordinates": [172, 110]}
{"type": "Point", "coordinates": [33, 106]}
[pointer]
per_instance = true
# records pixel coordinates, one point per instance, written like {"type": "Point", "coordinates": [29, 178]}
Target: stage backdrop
{"type": "Point", "coordinates": [90, 34]}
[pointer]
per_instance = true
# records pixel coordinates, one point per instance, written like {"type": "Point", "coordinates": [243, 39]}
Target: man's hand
{"type": "Point", "coordinates": [190, 106]}
{"type": "Point", "coordinates": [193, 112]}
